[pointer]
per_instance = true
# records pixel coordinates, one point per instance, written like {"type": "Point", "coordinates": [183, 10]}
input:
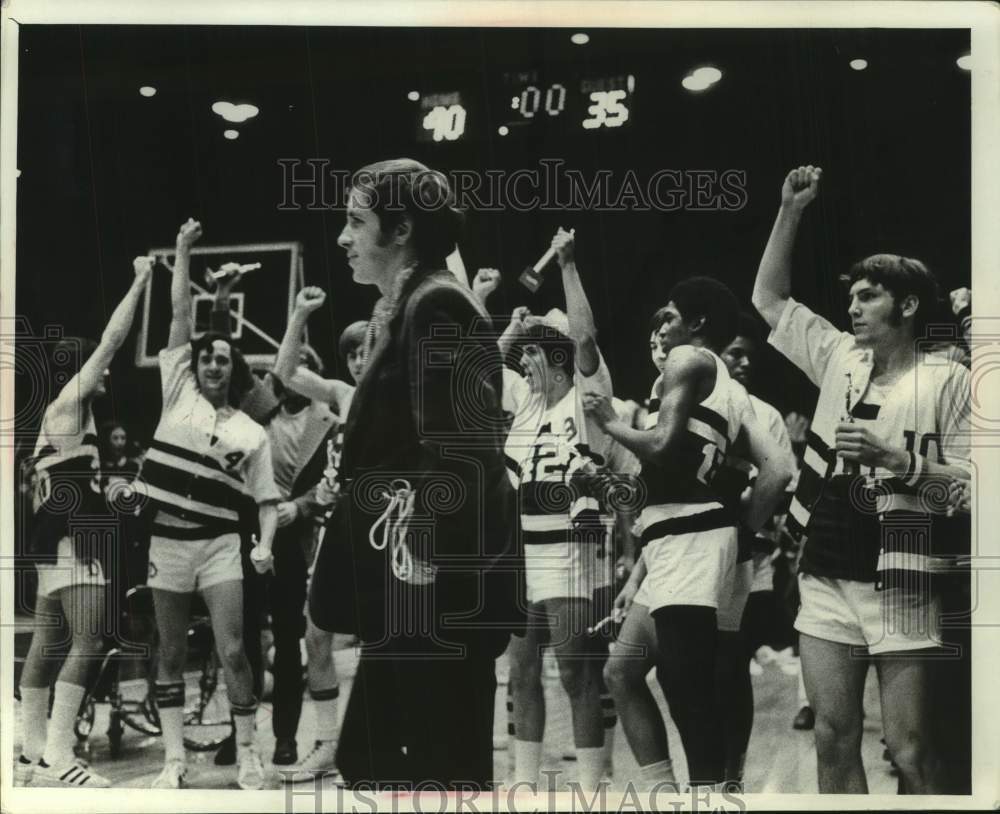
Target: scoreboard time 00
{"type": "Point", "coordinates": [587, 103]}
{"type": "Point", "coordinates": [528, 101]}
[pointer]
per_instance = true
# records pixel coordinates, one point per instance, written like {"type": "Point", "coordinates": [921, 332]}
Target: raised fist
{"type": "Point", "coordinates": [563, 243]}
{"type": "Point", "coordinates": [143, 268]}
{"type": "Point", "coordinates": [225, 283]}
{"type": "Point", "coordinates": [519, 317]}
{"type": "Point", "coordinates": [189, 233]}
{"type": "Point", "coordinates": [960, 298]}
{"type": "Point", "coordinates": [800, 187]}
{"type": "Point", "coordinates": [485, 283]}
{"type": "Point", "coordinates": [310, 298]}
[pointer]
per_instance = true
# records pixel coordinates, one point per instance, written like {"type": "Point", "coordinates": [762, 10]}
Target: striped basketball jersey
{"type": "Point", "coordinates": [204, 465]}
{"type": "Point", "coordinates": [548, 451]}
{"type": "Point", "coordinates": [684, 491]}
{"type": "Point", "coordinates": [65, 479]}
{"type": "Point", "coordinates": [926, 411]}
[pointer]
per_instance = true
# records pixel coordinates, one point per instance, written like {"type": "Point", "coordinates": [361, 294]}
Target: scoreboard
{"type": "Point", "coordinates": [523, 101]}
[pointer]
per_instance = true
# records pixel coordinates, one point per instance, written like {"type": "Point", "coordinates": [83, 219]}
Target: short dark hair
{"type": "Point", "coordinates": [707, 297]}
{"type": "Point", "coordinates": [241, 380]}
{"type": "Point", "coordinates": [400, 188]}
{"type": "Point", "coordinates": [901, 277]}
{"type": "Point", "coordinates": [559, 349]}
{"type": "Point", "coordinates": [351, 337]}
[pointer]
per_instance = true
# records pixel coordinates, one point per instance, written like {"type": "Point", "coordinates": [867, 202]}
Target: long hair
{"type": "Point", "coordinates": [241, 378]}
{"type": "Point", "coordinates": [401, 188]}
{"type": "Point", "coordinates": [902, 277]}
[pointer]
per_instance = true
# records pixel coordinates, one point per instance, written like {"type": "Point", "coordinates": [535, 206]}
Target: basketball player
{"type": "Point", "coordinates": [891, 418]}
{"type": "Point", "coordinates": [207, 459]}
{"type": "Point", "coordinates": [689, 525]}
{"type": "Point", "coordinates": [71, 574]}
{"type": "Point", "coordinates": [416, 552]}
{"type": "Point", "coordinates": [567, 538]}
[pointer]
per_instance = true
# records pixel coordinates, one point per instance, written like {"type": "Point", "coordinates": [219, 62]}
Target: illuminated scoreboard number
{"type": "Point", "coordinates": [442, 117]}
{"type": "Point", "coordinates": [608, 101]}
{"type": "Point", "coordinates": [530, 102]}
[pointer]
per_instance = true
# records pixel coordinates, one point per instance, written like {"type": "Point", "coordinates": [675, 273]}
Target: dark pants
{"type": "Point", "coordinates": [759, 621]}
{"type": "Point", "coordinates": [253, 610]}
{"type": "Point", "coordinates": [687, 637]}
{"type": "Point", "coordinates": [439, 710]}
{"type": "Point", "coordinates": [287, 598]}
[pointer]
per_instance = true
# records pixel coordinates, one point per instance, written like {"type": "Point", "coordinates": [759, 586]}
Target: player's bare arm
{"type": "Point", "coordinates": [180, 285]}
{"type": "Point", "coordinates": [582, 329]}
{"type": "Point", "coordinates": [774, 276]}
{"type": "Point", "coordinates": [685, 376]}
{"type": "Point", "coordinates": [286, 365]}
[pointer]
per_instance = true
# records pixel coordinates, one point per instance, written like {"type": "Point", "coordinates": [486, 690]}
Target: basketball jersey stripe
{"type": "Point", "coordinates": [701, 521]}
{"type": "Point", "coordinates": [708, 416]}
{"type": "Point", "coordinates": [189, 486]}
{"type": "Point", "coordinates": [188, 456]}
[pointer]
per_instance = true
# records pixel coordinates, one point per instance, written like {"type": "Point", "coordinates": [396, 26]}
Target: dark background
{"type": "Point", "coordinates": [108, 174]}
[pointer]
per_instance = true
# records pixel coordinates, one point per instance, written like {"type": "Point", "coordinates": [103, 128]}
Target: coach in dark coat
{"type": "Point", "coordinates": [420, 558]}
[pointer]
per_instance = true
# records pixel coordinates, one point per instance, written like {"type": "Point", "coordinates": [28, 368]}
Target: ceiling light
{"type": "Point", "coordinates": [859, 64]}
{"type": "Point", "coordinates": [580, 38]}
{"type": "Point", "coordinates": [231, 134]}
{"type": "Point", "coordinates": [413, 96]}
{"type": "Point", "coordinates": [147, 91]}
{"type": "Point", "coordinates": [235, 113]}
{"type": "Point", "coordinates": [503, 130]}
{"type": "Point", "coordinates": [964, 62]}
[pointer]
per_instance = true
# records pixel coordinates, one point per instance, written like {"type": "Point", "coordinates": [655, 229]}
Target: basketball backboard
{"type": "Point", "coordinates": [260, 304]}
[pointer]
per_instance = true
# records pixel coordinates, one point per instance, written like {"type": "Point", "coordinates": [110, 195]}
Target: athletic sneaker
{"type": "Point", "coordinates": [75, 774]}
{"type": "Point", "coordinates": [250, 774]}
{"type": "Point", "coordinates": [319, 762]}
{"type": "Point", "coordinates": [24, 770]}
{"type": "Point", "coordinates": [172, 776]}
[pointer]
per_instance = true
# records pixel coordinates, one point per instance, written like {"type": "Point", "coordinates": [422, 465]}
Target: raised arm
{"type": "Point", "coordinates": [180, 286]}
{"type": "Point", "coordinates": [683, 373]}
{"type": "Point", "coordinates": [515, 329]}
{"type": "Point", "coordinates": [286, 366]}
{"type": "Point", "coordinates": [86, 382]}
{"type": "Point", "coordinates": [773, 285]}
{"type": "Point", "coordinates": [582, 329]}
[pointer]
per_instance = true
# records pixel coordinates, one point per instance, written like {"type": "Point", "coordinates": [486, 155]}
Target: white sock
{"type": "Point", "coordinates": [591, 763]}
{"type": "Point", "coordinates": [660, 772]}
{"type": "Point", "coordinates": [34, 721]}
{"type": "Point", "coordinates": [61, 734]}
{"type": "Point", "coordinates": [246, 731]}
{"type": "Point", "coordinates": [172, 725]}
{"type": "Point", "coordinates": [327, 721]}
{"type": "Point", "coordinates": [170, 704]}
{"type": "Point", "coordinates": [527, 761]}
